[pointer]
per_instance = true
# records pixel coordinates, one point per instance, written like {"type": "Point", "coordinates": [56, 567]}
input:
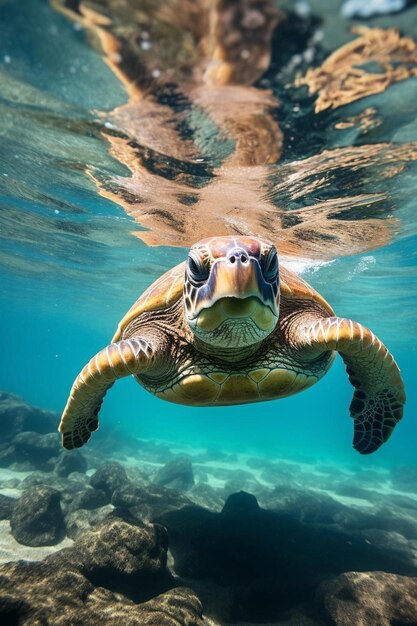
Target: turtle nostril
{"type": "Point", "coordinates": [238, 256]}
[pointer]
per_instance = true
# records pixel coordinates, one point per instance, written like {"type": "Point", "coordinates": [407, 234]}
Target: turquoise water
{"type": "Point", "coordinates": [71, 267]}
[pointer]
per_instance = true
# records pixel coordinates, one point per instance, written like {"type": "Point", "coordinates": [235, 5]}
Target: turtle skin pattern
{"type": "Point", "coordinates": [379, 396]}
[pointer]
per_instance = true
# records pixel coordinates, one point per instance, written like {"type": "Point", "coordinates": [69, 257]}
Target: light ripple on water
{"type": "Point", "coordinates": [49, 136]}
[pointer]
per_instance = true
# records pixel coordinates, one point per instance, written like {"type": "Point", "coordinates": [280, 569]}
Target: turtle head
{"type": "Point", "coordinates": [231, 291]}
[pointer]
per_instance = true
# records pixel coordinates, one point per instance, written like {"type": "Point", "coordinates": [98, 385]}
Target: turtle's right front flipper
{"type": "Point", "coordinates": [118, 360]}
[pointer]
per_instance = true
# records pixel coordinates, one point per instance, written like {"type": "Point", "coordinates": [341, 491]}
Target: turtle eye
{"type": "Point", "coordinates": [198, 271]}
{"type": "Point", "coordinates": [270, 266]}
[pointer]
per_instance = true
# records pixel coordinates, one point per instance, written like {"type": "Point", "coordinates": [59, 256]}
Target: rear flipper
{"type": "Point", "coordinates": [80, 417]}
{"type": "Point", "coordinates": [379, 396]}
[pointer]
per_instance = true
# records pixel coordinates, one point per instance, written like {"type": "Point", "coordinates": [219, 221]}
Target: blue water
{"type": "Point", "coordinates": [71, 267]}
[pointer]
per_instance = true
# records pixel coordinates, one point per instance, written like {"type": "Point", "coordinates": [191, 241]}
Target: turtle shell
{"type": "Point", "coordinates": [161, 294]}
{"type": "Point", "coordinates": [169, 288]}
{"type": "Point", "coordinates": [293, 287]}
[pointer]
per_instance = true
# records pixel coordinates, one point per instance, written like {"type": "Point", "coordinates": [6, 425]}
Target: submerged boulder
{"type": "Point", "coordinates": [6, 506]}
{"type": "Point", "coordinates": [100, 580]}
{"type": "Point", "coordinates": [80, 521]}
{"type": "Point", "coordinates": [35, 593]}
{"type": "Point", "coordinates": [108, 478]}
{"type": "Point", "coordinates": [7, 455]}
{"type": "Point", "coordinates": [305, 505]}
{"type": "Point", "coordinates": [369, 598]}
{"type": "Point", "coordinates": [267, 561]}
{"type": "Point", "coordinates": [206, 496]}
{"type": "Point", "coordinates": [70, 462]}
{"type": "Point", "coordinates": [129, 495]}
{"type": "Point", "coordinates": [16, 416]}
{"type": "Point", "coordinates": [148, 503]}
{"type": "Point", "coordinates": [149, 450]}
{"type": "Point", "coordinates": [36, 450]}
{"type": "Point", "coordinates": [114, 550]}
{"type": "Point", "coordinates": [176, 474]}
{"type": "Point", "coordinates": [37, 518]}
{"type": "Point", "coordinates": [64, 485]}
{"type": "Point", "coordinates": [88, 499]}
{"type": "Point", "coordinates": [404, 478]}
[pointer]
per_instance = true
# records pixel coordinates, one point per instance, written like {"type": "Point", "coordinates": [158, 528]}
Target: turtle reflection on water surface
{"type": "Point", "coordinates": [229, 326]}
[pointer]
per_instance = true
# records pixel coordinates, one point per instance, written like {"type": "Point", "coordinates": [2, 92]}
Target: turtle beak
{"type": "Point", "coordinates": [240, 292]}
{"type": "Point", "coordinates": [237, 276]}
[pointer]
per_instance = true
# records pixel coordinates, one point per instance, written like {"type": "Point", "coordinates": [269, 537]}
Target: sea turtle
{"type": "Point", "coordinates": [229, 326]}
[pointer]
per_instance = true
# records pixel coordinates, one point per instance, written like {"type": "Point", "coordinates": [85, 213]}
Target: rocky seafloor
{"type": "Point", "coordinates": [143, 532]}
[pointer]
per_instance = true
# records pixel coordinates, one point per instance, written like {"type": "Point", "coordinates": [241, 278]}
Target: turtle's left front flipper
{"type": "Point", "coordinates": [118, 360]}
{"type": "Point", "coordinates": [379, 396]}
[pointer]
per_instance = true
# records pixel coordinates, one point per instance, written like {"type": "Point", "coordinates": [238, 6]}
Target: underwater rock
{"type": "Point", "coordinates": [154, 451]}
{"type": "Point", "coordinates": [148, 503]}
{"type": "Point", "coordinates": [127, 446]}
{"type": "Point", "coordinates": [394, 544]}
{"type": "Point", "coordinates": [84, 584]}
{"type": "Point", "coordinates": [352, 490]}
{"type": "Point", "coordinates": [81, 480]}
{"type": "Point", "coordinates": [122, 548]}
{"type": "Point", "coordinates": [392, 519]}
{"type": "Point", "coordinates": [176, 474]}
{"type": "Point", "coordinates": [129, 495]}
{"type": "Point", "coordinates": [83, 520]}
{"type": "Point", "coordinates": [6, 506]}
{"type": "Point", "coordinates": [268, 561]}
{"type": "Point", "coordinates": [69, 462]}
{"type": "Point", "coordinates": [37, 518]}
{"type": "Point", "coordinates": [64, 485]}
{"type": "Point", "coordinates": [380, 518]}
{"type": "Point", "coordinates": [242, 480]}
{"type": "Point", "coordinates": [37, 593]}
{"type": "Point", "coordinates": [109, 477]}
{"type": "Point", "coordinates": [12, 483]}
{"type": "Point", "coordinates": [138, 475]}
{"type": "Point", "coordinates": [36, 449]}
{"type": "Point", "coordinates": [304, 505]}
{"type": "Point", "coordinates": [7, 456]}
{"type": "Point", "coordinates": [88, 499]}
{"type": "Point", "coordinates": [370, 478]}
{"type": "Point", "coordinates": [123, 557]}
{"type": "Point", "coordinates": [257, 463]}
{"type": "Point", "coordinates": [403, 502]}
{"type": "Point", "coordinates": [201, 474]}
{"type": "Point", "coordinates": [279, 472]}
{"type": "Point", "coordinates": [214, 454]}
{"type": "Point", "coordinates": [370, 598]}
{"type": "Point", "coordinates": [206, 496]}
{"type": "Point", "coordinates": [17, 416]}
